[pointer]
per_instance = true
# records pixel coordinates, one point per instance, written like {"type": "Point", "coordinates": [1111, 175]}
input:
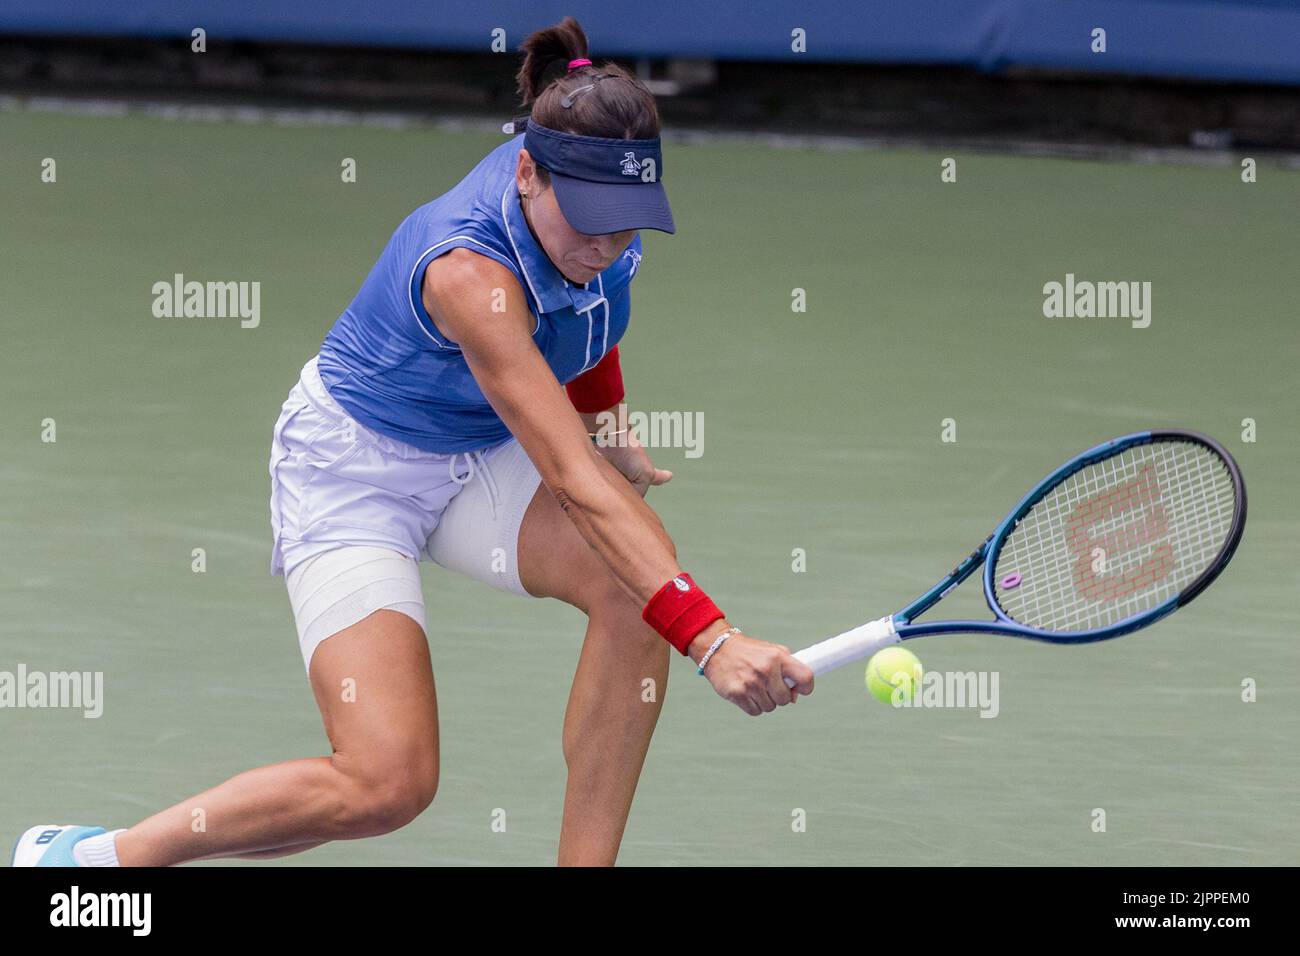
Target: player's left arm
{"type": "Point", "coordinates": [597, 394]}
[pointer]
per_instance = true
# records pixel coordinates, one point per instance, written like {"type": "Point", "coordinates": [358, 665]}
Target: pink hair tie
{"type": "Point", "coordinates": [581, 61]}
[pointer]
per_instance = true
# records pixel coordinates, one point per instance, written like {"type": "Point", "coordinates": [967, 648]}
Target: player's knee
{"type": "Point", "coordinates": [603, 596]}
{"type": "Point", "coordinates": [387, 797]}
{"type": "Point", "coordinates": [383, 809]}
{"type": "Point", "coordinates": [620, 616]}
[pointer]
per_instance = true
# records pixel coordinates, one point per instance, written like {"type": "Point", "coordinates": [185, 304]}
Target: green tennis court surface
{"type": "Point", "coordinates": [822, 433]}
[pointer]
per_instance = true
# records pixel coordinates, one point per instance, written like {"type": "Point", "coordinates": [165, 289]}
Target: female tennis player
{"type": "Point", "coordinates": [432, 423]}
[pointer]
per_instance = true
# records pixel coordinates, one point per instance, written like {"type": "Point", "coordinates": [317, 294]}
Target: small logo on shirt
{"type": "Point", "coordinates": [636, 260]}
{"type": "Point", "coordinates": [630, 166]}
{"type": "Point", "coordinates": [681, 585]}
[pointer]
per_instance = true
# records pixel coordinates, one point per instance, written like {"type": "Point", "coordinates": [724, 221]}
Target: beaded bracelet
{"type": "Point", "coordinates": [597, 436]}
{"type": "Point", "coordinates": [717, 642]}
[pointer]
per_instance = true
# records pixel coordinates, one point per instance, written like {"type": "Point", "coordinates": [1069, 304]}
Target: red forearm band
{"type": "Point", "coordinates": [600, 387]}
{"type": "Point", "coordinates": [680, 610]}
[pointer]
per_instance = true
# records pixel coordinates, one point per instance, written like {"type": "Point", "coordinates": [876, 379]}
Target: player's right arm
{"type": "Point", "coordinates": [459, 291]}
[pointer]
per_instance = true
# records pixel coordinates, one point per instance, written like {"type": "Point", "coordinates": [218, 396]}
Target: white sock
{"type": "Point", "coordinates": [98, 850]}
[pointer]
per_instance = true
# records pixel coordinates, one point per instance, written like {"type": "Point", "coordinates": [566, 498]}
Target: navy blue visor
{"type": "Point", "coordinates": [603, 185]}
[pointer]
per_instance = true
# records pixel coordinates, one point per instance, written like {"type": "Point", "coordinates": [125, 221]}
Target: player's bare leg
{"type": "Point", "coordinates": [382, 772]}
{"type": "Point", "coordinates": [618, 690]}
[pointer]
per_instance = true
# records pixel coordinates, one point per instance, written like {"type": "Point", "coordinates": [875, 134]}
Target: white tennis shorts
{"type": "Point", "coordinates": [353, 512]}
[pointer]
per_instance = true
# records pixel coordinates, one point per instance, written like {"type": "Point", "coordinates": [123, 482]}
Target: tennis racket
{"type": "Point", "coordinates": [1112, 541]}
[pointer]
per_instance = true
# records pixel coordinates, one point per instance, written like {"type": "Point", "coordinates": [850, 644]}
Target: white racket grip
{"type": "Point", "coordinates": [848, 647]}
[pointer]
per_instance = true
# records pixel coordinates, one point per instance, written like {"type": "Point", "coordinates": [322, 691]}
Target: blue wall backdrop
{"type": "Point", "coordinates": [1230, 40]}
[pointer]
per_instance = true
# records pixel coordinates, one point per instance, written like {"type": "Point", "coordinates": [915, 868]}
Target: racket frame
{"type": "Point", "coordinates": [986, 554]}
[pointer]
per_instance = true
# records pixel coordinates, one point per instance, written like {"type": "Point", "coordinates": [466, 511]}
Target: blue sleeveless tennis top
{"type": "Point", "coordinates": [391, 369]}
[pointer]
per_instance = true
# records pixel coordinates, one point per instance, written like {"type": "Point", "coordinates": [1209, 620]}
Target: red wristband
{"type": "Point", "coordinates": [680, 610]}
{"type": "Point", "coordinates": [600, 387]}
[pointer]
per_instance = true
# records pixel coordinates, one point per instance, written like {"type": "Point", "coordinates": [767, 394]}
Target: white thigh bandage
{"type": "Point", "coordinates": [338, 588]}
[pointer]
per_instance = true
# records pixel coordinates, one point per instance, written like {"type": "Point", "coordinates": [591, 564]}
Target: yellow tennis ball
{"type": "Point", "coordinates": [893, 668]}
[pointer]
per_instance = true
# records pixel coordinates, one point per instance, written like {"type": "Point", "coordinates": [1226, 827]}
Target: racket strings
{"type": "Point", "coordinates": [1117, 538]}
